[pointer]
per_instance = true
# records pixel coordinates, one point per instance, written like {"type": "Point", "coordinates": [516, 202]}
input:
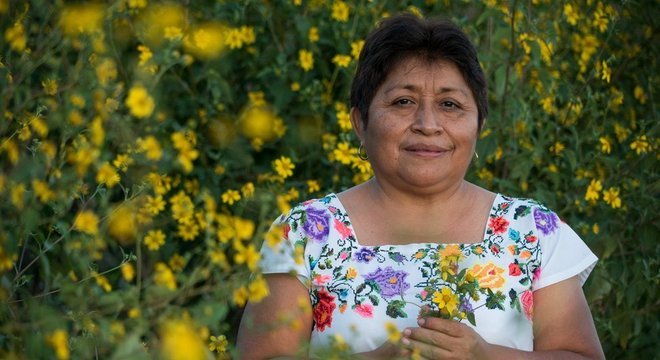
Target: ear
{"type": "Point", "coordinates": [356, 121]}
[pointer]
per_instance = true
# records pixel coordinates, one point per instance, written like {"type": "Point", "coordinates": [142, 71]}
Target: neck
{"type": "Point", "coordinates": [392, 198]}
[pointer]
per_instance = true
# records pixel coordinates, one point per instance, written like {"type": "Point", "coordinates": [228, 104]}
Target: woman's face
{"type": "Point", "coordinates": [422, 127]}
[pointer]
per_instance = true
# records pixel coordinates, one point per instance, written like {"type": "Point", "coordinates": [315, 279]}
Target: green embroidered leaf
{"type": "Point", "coordinates": [374, 299]}
{"type": "Point", "coordinates": [522, 210]}
{"type": "Point", "coordinates": [395, 309]}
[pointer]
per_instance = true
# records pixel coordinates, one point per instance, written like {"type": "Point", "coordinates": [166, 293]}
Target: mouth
{"type": "Point", "coordinates": [427, 150]}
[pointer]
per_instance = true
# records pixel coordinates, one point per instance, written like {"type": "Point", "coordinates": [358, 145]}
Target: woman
{"type": "Point", "coordinates": [368, 259]}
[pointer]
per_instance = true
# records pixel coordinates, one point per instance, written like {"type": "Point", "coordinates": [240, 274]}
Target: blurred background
{"type": "Point", "coordinates": [146, 147]}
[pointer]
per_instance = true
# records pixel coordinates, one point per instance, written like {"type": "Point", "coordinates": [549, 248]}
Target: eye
{"type": "Point", "coordinates": [449, 104]}
{"type": "Point", "coordinates": [403, 101]}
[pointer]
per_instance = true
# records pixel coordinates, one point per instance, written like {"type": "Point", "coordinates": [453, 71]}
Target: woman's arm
{"type": "Point", "coordinates": [279, 326]}
{"type": "Point", "coordinates": [563, 329]}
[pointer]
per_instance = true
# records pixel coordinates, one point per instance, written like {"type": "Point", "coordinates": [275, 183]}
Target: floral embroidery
{"type": "Point", "coordinates": [376, 281]}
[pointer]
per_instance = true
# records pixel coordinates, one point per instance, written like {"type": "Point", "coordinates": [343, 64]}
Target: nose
{"type": "Point", "coordinates": [427, 121]}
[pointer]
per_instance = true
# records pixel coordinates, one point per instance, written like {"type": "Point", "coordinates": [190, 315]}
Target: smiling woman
{"type": "Point", "coordinates": [397, 263]}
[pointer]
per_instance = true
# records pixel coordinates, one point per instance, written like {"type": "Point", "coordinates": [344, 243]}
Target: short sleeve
{"type": "Point", "coordinates": [564, 255]}
{"type": "Point", "coordinates": [287, 254]}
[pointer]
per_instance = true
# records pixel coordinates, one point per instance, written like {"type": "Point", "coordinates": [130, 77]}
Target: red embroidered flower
{"type": "Point", "coordinates": [527, 300]}
{"type": "Point", "coordinates": [342, 229]}
{"type": "Point", "coordinates": [495, 249]}
{"type": "Point", "coordinates": [531, 238]}
{"type": "Point", "coordinates": [323, 309]}
{"type": "Point", "coordinates": [365, 310]}
{"type": "Point", "coordinates": [498, 224]}
{"type": "Point", "coordinates": [514, 269]}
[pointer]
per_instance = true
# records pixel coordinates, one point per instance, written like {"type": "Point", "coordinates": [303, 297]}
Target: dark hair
{"type": "Point", "coordinates": [405, 35]}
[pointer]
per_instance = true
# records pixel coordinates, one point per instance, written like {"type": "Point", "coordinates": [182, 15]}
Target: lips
{"type": "Point", "coordinates": [426, 149]}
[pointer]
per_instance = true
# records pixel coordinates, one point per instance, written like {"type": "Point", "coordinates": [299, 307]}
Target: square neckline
{"type": "Point", "coordinates": [337, 202]}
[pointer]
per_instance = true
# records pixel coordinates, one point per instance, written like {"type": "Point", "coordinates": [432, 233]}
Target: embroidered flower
{"type": "Point", "coordinates": [514, 269]}
{"type": "Point", "coordinates": [365, 255]}
{"type": "Point", "coordinates": [498, 224]}
{"type": "Point", "coordinates": [365, 310]}
{"type": "Point", "coordinates": [343, 230]}
{"type": "Point", "coordinates": [323, 309]}
{"type": "Point", "coordinates": [320, 280]}
{"type": "Point", "coordinates": [317, 225]}
{"type": "Point", "coordinates": [489, 275]}
{"type": "Point", "coordinates": [391, 282]}
{"type": "Point", "coordinates": [546, 221]}
{"type": "Point", "coordinates": [527, 300]}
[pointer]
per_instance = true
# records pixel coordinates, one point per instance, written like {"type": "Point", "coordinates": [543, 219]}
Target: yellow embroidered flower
{"type": "Point", "coordinates": [488, 275]}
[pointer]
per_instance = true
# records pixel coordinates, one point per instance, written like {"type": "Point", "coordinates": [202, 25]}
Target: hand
{"type": "Point", "coordinates": [388, 350]}
{"type": "Point", "coordinates": [444, 339]}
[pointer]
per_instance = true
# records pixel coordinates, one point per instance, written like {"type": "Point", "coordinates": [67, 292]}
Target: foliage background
{"type": "Point", "coordinates": [145, 147]}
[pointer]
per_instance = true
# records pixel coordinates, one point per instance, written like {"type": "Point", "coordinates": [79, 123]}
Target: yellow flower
{"type": "Point", "coordinates": [393, 332]}
{"type": "Point", "coordinates": [107, 175]}
{"type": "Point", "coordinates": [188, 230]}
{"type": "Point", "coordinates": [313, 34]}
{"type": "Point", "coordinates": [572, 14]}
{"type": "Point", "coordinates": [15, 36]}
{"type": "Point", "coordinates": [344, 153]}
{"type": "Point", "coordinates": [231, 196]}
{"type": "Point", "coordinates": [283, 167]}
{"type": "Point", "coordinates": [247, 255]}
{"type": "Point", "coordinates": [209, 40]}
{"type": "Point", "coordinates": [177, 262]}
{"type": "Point", "coordinates": [306, 59]}
{"type": "Point", "coordinates": [87, 222]}
{"type": "Point", "coordinates": [128, 272]}
{"type": "Point", "coordinates": [163, 276]}
{"type": "Point", "coordinates": [155, 204]}
{"type": "Point", "coordinates": [640, 145]}
{"type": "Point", "coordinates": [137, 4]}
{"type": "Point", "coordinates": [44, 194]}
{"type": "Point", "coordinates": [122, 223]}
{"type": "Point", "coordinates": [259, 123]}
{"type": "Point", "coordinates": [151, 147]}
{"type": "Point", "coordinates": [139, 102]}
{"type": "Point", "coordinates": [557, 148]}
{"type": "Point", "coordinates": [356, 48]}
{"type": "Point", "coordinates": [180, 340]}
{"type": "Point", "coordinates": [102, 282]}
{"type": "Point", "coordinates": [611, 197]}
{"type": "Point", "coordinates": [157, 21]}
{"type": "Point", "coordinates": [50, 86]}
{"type": "Point", "coordinates": [640, 95]}
{"type": "Point", "coordinates": [605, 145]}
{"type": "Point", "coordinates": [295, 86]}
{"type": "Point", "coordinates": [218, 344]}
{"type": "Point", "coordinates": [240, 296]}
{"type": "Point", "coordinates": [257, 289]}
{"type": "Point", "coordinates": [340, 11]}
{"type": "Point", "coordinates": [58, 340]}
{"type": "Point", "coordinates": [81, 18]}
{"type": "Point", "coordinates": [488, 275]}
{"type": "Point", "coordinates": [247, 32]}
{"type": "Point", "coordinates": [247, 190]}
{"type": "Point", "coordinates": [351, 273]}
{"type": "Point", "coordinates": [234, 38]}
{"type": "Point", "coordinates": [593, 190]}
{"type": "Point", "coordinates": [154, 239]}
{"type": "Point", "coordinates": [446, 300]}
{"type": "Point", "coordinates": [606, 72]}
{"type": "Point", "coordinates": [145, 54]}
{"type": "Point", "coordinates": [313, 186]}
{"type": "Point", "coordinates": [106, 71]}
{"type": "Point", "coordinates": [341, 60]}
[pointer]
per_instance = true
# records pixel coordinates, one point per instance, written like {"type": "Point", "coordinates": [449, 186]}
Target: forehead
{"type": "Point", "coordinates": [418, 72]}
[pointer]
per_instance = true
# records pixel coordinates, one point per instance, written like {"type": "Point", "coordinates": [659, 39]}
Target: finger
{"type": "Point", "coordinates": [430, 337]}
{"type": "Point", "coordinates": [419, 349]}
{"type": "Point", "coordinates": [448, 327]}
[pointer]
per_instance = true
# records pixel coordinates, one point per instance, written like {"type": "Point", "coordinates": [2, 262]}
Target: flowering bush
{"type": "Point", "coordinates": [145, 147]}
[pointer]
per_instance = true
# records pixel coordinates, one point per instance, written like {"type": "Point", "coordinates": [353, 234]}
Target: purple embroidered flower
{"type": "Point", "coordinates": [317, 225]}
{"type": "Point", "coordinates": [546, 221]}
{"type": "Point", "coordinates": [365, 255]}
{"type": "Point", "coordinates": [391, 282]}
{"type": "Point", "coordinates": [465, 305]}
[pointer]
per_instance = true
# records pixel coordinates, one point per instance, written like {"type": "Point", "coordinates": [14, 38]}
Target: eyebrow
{"type": "Point", "coordinates": [415, 88]}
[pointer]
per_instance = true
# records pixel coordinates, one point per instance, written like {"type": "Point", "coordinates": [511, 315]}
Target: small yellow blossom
{"type": "Point", "coordinates": [177, 262]}
{"type": "Point", "coordinates": [313, 186]}
{"type": "Point", "coordinates": [247, 255]}
{"type": "Point", "coordinates": [137, 4]}
{"type": "Point", "coordinates": [218, 344]}
{"type": "Point", "coordinates": [446, 300]}
{"type": "Point", "coordinates": [234, 38]}
{"type": "Point", "coordinates": [151, 147]}
{"type": "Point", "coordinates": [155, 204]}
{"type": "Point", "coordinates": [107, 175]}
{"type": "Point", "coordinates": [393, 332]}
{"type": "Point", "coordinates": [593, 190]}
{"type": "Point", "coordinates": [306, 59]}
{"type": "Point", "coordinates": [611, 197]}
{"type": "Point", "coordinates": [605, 144]}
{"type": "Point", "coordinates": [557, 148]}
{"type": "Point", "coordinates": [188, 230]}
{"type": "Point", "coordinates": [640, 95]}
{"type": "Point", "coordinates": [572, 15]}
{"type": "Point", "coordinates": [595, 228]}
{"type": "Point", "coordinates": [606, 72]}
{"type": "Point", "coordinates": [87, 222]}
{"type": "Point", "coordinates": [145, 54]}
{"type": "Point", "coordinates": [356, 48]}
{"type": "Point", "coordinates": [283, 167]}
{"type": "Point", "coordinates": [15, 36]}
{"type": "Point", "coordinates": [641, 145]}
{"type": "Point", "coordinates": [154, 239]}
{"type": "Point", "coordinates": [163, 276]}
{"type": "Point", "coordinates": [50, 86]}
{"type": "Point", "coordinates": [230, 196]}
{"type": "Point", "coordinates": [341, 60]}
{"type": "Point", "coordinates": [257, 289]}
{"type": "Point", "coordinates": [139, 102]}
{"type": "Point", "coordinates": [82, 18]}
{"type": "Point", "coordinates": [102, 282]}
{"type": "Point", "coordinates": [42, 191]}
{"type": "Point", "coordinates": [295, 86]}
{"type": "Point", "coordinates": [180, 340]}
{"type": "Point", "coordinates": [344, 153]}
{"type": "Point", "coordinates": [313, 34]}
{"type": "Point", "coordinates": [128, 272]}
{"type": "Point", "coordinates": [340, 11]}
{"type": "Point", "coordinates": [59, 341]}
{"type": "Point", "coordinates": [247, 190]}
